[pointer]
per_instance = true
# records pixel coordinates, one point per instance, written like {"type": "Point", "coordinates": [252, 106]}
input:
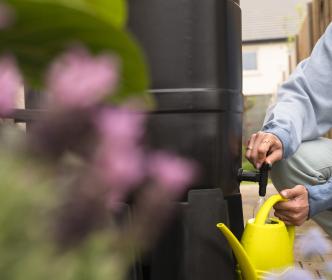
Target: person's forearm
{"type": "Point", "coordinates": [304, 105]}
{"type": "Point", "coordinates": [294, 117]}
{"type": "Point", "coordinates": [320, 197]}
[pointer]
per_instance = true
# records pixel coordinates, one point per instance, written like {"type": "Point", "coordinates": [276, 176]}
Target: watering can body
{"type": "Point", "coordinates": [266, 245]}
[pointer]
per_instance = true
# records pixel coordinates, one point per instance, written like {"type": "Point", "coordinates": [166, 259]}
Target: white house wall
{"type": "Point", "coordinates": [272, 68]}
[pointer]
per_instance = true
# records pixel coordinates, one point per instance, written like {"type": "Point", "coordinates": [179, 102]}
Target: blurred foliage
{"type": "Point", "coordinates": [44, 29]}
{"type": "Point", "coordinates": [249, 103]}
{"type": "Point", "coordinates": [29, 198]}
{"type": "Point", "coordinates": [30, 192]}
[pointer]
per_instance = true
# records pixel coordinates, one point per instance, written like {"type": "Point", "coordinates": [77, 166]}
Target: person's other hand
{"type": "Point", "coordinates": [295, 211]}
{"type": "Point", "coordinates": [263, 147]}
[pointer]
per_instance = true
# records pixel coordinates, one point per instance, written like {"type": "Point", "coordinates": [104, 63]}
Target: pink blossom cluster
{"type": "Point", "coordinates": [10, 77]}
{"type": "Point", "coordinates": [313, 243]}
{"type": "Point", "coordinates": [171, 171]}
{"type": "Point", "coordinates": [10, 81]}
{"type": "Point", "coordinates": [75, 79]}
{"type": "Point", "coordinates": [6, 16]}
{"type": "Point", "coordinates": [119, 158]}
{"type": "Point", "coordinates": [123, 163]}
{"type": "Point", "coordinates": [292, 274]}
{"type": "Point", "coordinates": [78, 79]}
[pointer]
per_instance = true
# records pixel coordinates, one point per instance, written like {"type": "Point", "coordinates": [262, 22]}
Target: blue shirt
{"type": "Point", "coordinates": [303, 111]}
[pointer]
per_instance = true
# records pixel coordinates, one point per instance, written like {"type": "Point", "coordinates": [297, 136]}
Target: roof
{"type": "Point", "coordinates": [271, 19]}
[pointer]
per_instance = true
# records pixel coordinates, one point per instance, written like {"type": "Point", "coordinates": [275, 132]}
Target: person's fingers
{"type": "Point", "coordinates": [284, 206]}
{"type": "Point", "coordinates": [289, 215]}
{"type": "Point", "coordinates": [292, 218]}
{"type": "Point", "coordinates": [296, 208]}
{"type": "Point", "coordinates": [254, 152]}
{"type": "Point", "coordinates": [282, 217]}
{"type": "Point", "coordinates": [263, 150]}
{"type": "Point", "coordinates": [276, 150]}
{"type": "Point", "coordinates": [297, 191]}
{"type": "Point", "coordinates": [260, 150]}
{"type": "Point", "coordinates": [263, 147]}
{"type": "Point", "coordinates": [285, 213]}
{"type": "Point", "coordinates": [287, 223]}
{"type": "Point", "coordinates": [249, 147]}
{"type": "Point", "coordinates": [274, 156]}
{"type": "Point", "coordinates": [292, 206]}
{"type": "Point", "coordinates": [270, 149]}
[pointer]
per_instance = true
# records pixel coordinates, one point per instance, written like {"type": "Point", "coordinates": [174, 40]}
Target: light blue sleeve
{"type": "Point", "coordinates": [303, 110]}
{"type": "Point", "coordinates": [320, 198]}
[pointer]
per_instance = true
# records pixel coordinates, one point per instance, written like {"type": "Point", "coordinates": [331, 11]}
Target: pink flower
{"type": "Point", "coordinates": [121, 126]}
{"type": "Point", "coordinates": [313, 243]}
{"type": "Point", "coordinates": [328, 268]}
{"type": "Point", "coordinates": [120, 161]}
{"type": "Point", "coordinates": [121, 169]}
{"type": "Point", "coordinates": [292, 274]}
{"type": "Point", "coordinates": [171, 172]}
{"type": "Point", "coordinates": [6, 16]}
{"type": "Point", "coordinates": [77, 79]}
{"type": "Point", "coordinates": [10, 81]}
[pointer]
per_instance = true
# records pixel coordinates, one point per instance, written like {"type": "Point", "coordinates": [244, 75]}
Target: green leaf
{"type": "Point", "coordinates": [113, 11]}
{"type": "Point", "coordinates": [43, 29]}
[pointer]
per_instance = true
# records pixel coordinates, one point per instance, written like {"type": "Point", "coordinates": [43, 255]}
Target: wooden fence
{"type": "Point", "coordinates": [319, 15]}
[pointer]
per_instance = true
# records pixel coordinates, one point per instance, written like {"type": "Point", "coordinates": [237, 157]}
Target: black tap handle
{"type": "Point", "coordinates": [251, 176]}
{"type": "Point", "coordinates": [260, 176]}
{"type": "Point", "coordinates": [264, 176]}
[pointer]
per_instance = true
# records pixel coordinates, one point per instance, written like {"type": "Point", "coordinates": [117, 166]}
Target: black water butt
{"type": "Point", "coordinates": [193, 49]}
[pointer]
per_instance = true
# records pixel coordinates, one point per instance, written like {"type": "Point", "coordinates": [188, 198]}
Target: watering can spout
{"type": "Point", "coordinates": [245, 264]}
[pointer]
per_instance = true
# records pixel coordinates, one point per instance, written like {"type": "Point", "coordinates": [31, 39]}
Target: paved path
{"type": "Point", "coordinates": [250, 198]}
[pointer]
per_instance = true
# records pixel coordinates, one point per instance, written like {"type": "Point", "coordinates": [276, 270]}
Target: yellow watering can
{"type": "Point", "coordinates": [266, 244]}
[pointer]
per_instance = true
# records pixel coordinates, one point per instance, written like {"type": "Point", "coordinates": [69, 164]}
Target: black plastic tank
{"type": "Point", "coordinates": [193, 49]}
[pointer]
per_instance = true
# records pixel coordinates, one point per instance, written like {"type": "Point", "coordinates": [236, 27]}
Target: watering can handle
{"type": "Point", "coordinates": [291, 233]}
{"type": "Point", "coordinates": [264, 211]}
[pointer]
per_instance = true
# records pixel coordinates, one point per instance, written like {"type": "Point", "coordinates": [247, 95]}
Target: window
{"type": "Point", "coordinates": [249, 61]}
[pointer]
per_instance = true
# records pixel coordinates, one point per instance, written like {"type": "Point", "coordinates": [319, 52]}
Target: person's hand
{"type": "Point", "coordinates": [263, 147]}
{"type": "Point", "coordinates": [295, 211]}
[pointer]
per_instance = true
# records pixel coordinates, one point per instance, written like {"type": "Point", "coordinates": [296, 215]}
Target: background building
{"type": "Point", "coordinates": [269, 29]}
